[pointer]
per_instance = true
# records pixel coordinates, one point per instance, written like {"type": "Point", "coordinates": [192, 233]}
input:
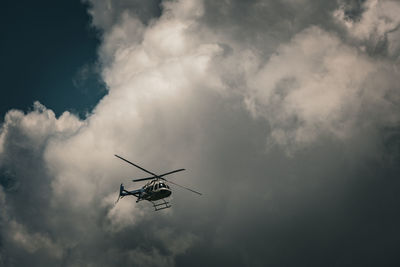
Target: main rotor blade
{"type": "Point", "coordinates": [144, 179]}
{"type": "Point", "coordinates": [182, 186]}
{"type": "Point", "coordinates": [157, 176]}
{"type": "Point", "coordinates": [149, 172]}
{"type": "Point", "coordinates": [167, 173]}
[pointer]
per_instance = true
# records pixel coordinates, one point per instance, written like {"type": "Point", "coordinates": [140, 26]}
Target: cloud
{"type": "Point", "coordinates": [317, 85]}
{"type": "Point", "coordinates": [377, 28]}
{"type": "Point", "coordinates": [105, 14]}
{"type": "Point", "coordinates": [209, 87]}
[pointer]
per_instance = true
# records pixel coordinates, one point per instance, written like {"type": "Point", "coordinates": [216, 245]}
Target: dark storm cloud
{"type": "Point", "coordinates": [353, 9]}
{"type": "Point", "coordinates": [283, 120]}
{"type": "Point", "coordinates": [377, 30]}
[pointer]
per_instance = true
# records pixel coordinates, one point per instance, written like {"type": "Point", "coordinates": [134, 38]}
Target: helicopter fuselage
{"type": "Point", "coordinates": [155, 190]}
{"type": "Point", "coordinates": [157, 195]}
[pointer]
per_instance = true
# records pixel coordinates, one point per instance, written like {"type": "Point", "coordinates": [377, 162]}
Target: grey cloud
{"type": "Point", "coordinates": [207, 86]}
{"type": "Point", "coordinates": [317, 85]}
{"type": "Point", "coordinates": [376, 28]}
{"type": "Point", "coordinates": [264, 25]}
{"type": "Point", "coordinates": [106, 14]}
{"type": "Point", "coordinates": [353, 9]}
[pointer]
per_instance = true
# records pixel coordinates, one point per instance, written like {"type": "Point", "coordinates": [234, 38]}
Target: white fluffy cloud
{"type": "Point", "coordinates": [317, 85]}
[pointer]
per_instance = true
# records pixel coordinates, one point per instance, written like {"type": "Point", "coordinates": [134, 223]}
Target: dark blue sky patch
{"type": "Point", "coordinates": [45, 45]}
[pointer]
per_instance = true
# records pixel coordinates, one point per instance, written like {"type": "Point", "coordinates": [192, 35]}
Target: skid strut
{"type": "Point", "coordinates": [160, 206]}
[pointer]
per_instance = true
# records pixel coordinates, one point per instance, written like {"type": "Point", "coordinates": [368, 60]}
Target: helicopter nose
{"type": "Point", "coordinates": [166, 193]}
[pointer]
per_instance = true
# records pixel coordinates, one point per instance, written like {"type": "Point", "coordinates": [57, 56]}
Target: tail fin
{"type": "Point", "coordinates": [121, 195]}
{"type": "Point", "coordinates": [121, 189]}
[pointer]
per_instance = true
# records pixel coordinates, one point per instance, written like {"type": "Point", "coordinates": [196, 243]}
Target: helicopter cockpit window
{"type": "Point", "coordinates": [156, 187]}
{"type": "Point", "coordinates": [162, 185]}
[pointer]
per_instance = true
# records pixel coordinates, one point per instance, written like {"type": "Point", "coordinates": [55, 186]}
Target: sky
{"type": "Point", "coordinates": [48, 53]}
{"type": "Point", "coordinates": [285, 115]}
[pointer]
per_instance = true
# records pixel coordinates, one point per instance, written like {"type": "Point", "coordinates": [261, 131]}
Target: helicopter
{"type": "Point", "coordinates": [155, 191]}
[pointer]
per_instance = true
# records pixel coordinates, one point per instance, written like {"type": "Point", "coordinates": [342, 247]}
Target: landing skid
{"type": "Point", "coordinates": [160, 206]}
